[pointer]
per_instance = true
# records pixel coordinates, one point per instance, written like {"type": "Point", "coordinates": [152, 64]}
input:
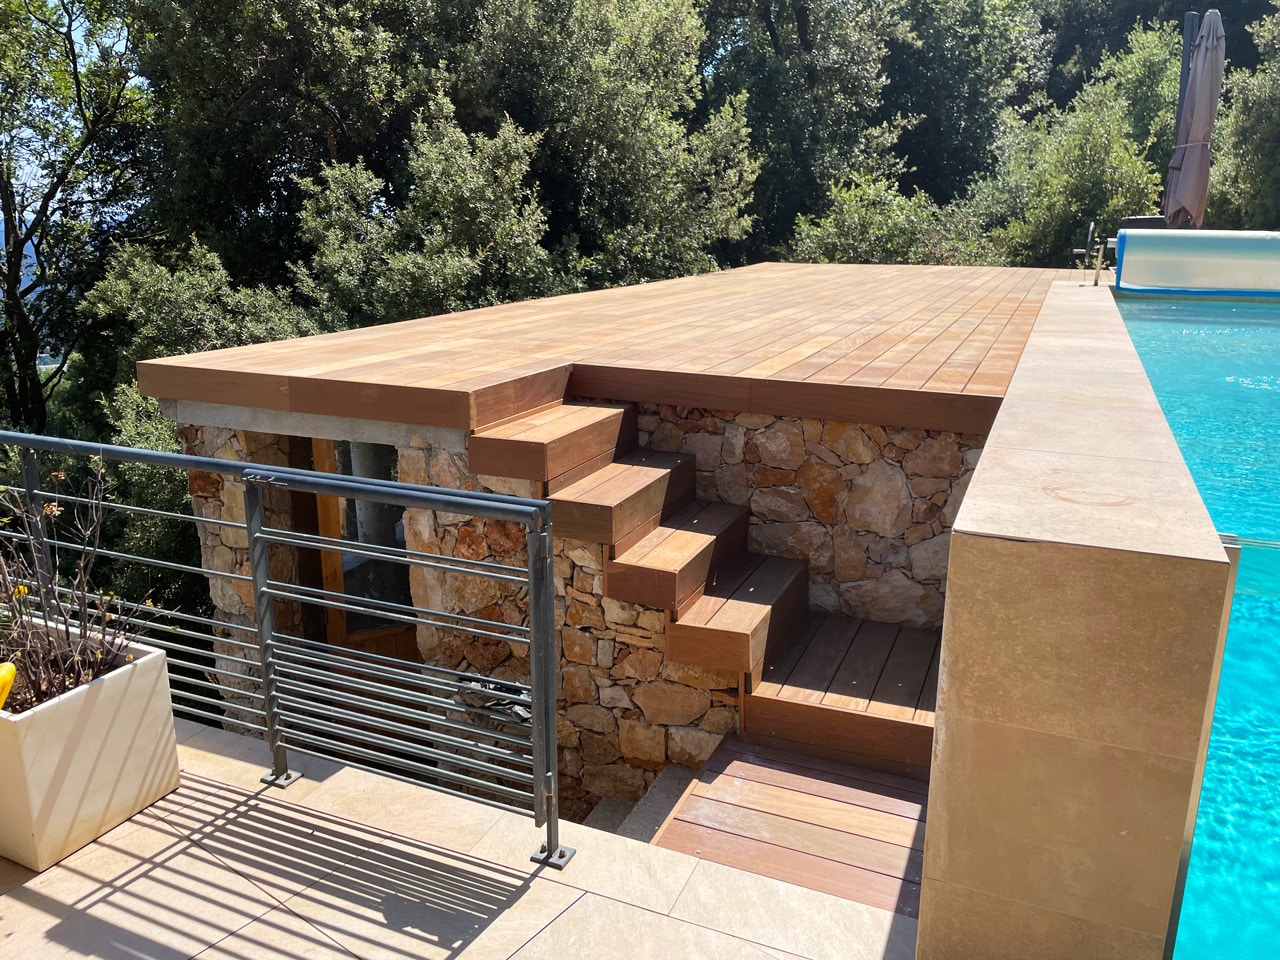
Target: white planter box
{"type": "Point", "coordinates": [73, 768]}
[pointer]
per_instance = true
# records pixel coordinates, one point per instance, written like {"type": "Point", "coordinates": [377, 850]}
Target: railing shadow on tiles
{"type": "Point", "coordinates": [274, 669]}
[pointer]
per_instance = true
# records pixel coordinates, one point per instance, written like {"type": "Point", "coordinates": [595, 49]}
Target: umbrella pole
{"type": "Point", "coordinates": [1190, 30]}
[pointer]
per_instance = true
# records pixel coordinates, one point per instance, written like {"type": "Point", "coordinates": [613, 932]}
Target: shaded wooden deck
{"type": "Point", "coordinates": [920, 346]}
{"type": "Point", "coordinates": [847, 831]}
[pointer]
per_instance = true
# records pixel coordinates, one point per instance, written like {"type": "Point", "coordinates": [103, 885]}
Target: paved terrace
{"type": "Point", "coordinates": [347, 864]}
{"type": "Point", "coordinates": [921, 346]}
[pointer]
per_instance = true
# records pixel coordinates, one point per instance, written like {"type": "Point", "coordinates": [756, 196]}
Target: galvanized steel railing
{"type": "Point", "coordinates": [464, 733]}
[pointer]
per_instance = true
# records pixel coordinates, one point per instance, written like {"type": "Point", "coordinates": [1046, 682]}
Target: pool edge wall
{"type": "Point", "coordinates": [1086, 610]}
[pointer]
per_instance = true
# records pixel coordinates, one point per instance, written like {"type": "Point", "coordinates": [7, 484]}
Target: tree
{"type": "Point", "coordinates": [72, 153]}
{"type": "Point", "coordinates": [1245, 187]}
{"type": "Point", "coordinates": [962, 63]}
{"type": "Point", "coordinates": [466, 233]}
{"type": "Point", "coordinates": [813, 73]}
{"type": "Point", "coordinates": [871, 221]}
{"type": "Point", "coordinates": [637, 182]}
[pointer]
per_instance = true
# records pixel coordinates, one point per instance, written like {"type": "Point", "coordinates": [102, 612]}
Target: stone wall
{"type": "Point", "coordinates": [220, 499]}
{"type": "Point", "coordinates": [624, 710]}
{"type": "Point", "coordinates": [870, 507]}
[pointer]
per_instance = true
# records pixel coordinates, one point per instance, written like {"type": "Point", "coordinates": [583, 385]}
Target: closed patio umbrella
{"type": "Point", "coordinates": [1188, 186]}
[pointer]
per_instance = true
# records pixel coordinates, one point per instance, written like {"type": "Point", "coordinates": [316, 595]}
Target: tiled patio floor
{"type": "Point", "coordinates": [348, 864]}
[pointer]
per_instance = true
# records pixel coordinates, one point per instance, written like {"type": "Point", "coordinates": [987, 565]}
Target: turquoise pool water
{"type": "Point", "coordinates": [1216, 369]}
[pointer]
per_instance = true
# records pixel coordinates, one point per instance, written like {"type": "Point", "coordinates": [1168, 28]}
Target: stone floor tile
{"type": "Point", "coordinates": [596, 927]}
{"type": "Point", "coordinates": [282, 847]}
{"type": "Point", "coordinates": [13, 875]}
{"type": "Point", "coordinates": [400, 808]}
{"type": "Point", "coordinates": [404, 899]}
{"type": "Point", "coordinates": [609, 865]}
{"type": "Point", "coordinates": [241, 761]}
{"type": "Point", "coordinates": [143, 892]}
{"type": "Point", "coordinates": [794, 919]}
{"type": "Point", "coordinates": [276, 935]}
{"type": "Point", "coordinates": [185, 729]}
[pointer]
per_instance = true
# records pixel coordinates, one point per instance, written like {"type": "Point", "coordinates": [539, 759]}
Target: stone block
{"type": "Point", "coordinates": [577, 645]}
{"type": "Point", "coordinates": [642, 743]}
{"type": "Point", "coordinates": [879, 501]}
{"type": "Point", "coordinates": [690, 746]}
{"type": "Point", "coordinates": [781, 444]}
{"type": "Point", "coordinates": [598, 747]}
{"type": "Point", "coordinates": [670, 704]}
{"type": "Point", "coordinates": [781, 504]}
{"type": "Point", "coordinates": [613, 780]}
{"type": "Point", "coordinates": [578, 685]}
{"type": "Point", "coordinates": [591, 717]}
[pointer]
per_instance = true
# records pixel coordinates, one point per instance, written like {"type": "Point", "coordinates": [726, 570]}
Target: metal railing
{"type": "Point", "coordinates": [268, 669]}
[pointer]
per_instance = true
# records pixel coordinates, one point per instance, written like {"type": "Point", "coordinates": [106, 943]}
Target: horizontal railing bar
{"type": "Point", "coordinates": [376, 606]}
{"type": "Point", "coordinates": [435, 720]}
{"type": "Point", "coordinates": [319, 598]}
{"type": "Point", "coordinates": [427, 770]}
{"type": "Point", "coordinates": [434, 561]}
{"type": "Point", "coordinates": [209, 684]}
{"type": "Point", "coordinates": [302, 709]}
{"type": "Point", "coordinates": [397, 663]}
{"type": "Point", "coordinates": [283, 667]}
{"type": "Point", "coordinates": [150, 561]}
{"type": "Point", "coordinates": [401, 675]}
{"type": "Point", "coordinates": [496, 505]}
{"type": "Point", "coordinates": [162, 612]}
{"type": "Point", "coordinates": [402, 778]}
{"type": "Point", "coordinates": [220, 719]}
{"type": "Point", "coordinates": [223, 704]}
{"type": "Point", "coordinates": [134, 508]}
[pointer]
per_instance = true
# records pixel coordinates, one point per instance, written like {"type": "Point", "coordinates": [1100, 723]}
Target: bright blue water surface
{"type": "Point", "coordinates": [1216, 368]}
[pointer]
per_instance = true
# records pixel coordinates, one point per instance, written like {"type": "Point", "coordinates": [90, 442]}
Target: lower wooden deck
{"type": "Point", "coordinates": [851, 832]}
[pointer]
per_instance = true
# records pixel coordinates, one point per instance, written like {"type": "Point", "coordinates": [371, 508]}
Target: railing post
{"type": "Point", "coordinates": [260, 568]}
{"type": "Point", "coordinates": [544, 660]}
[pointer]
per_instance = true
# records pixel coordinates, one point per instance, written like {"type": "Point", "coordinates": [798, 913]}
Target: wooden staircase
{"type": "Point", "coordinates": [824, 684]}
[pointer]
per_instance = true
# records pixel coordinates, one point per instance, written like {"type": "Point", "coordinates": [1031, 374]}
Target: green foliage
{"type": "Point", "coordinates": [1144, 77]}
{"type": "Point", "coordinates": [466, 233]}
{"type": "Point", "coordinates": [634, 188]}
{"type": "Point", "coordinates": [962, 63]}
{"type": "Point", "coordinates": [871, 221]}
{"type": "Point", "coordinates": [1245, 187]}
{"type": "Point", "coordinates": [1068, 168]}
{"type": "Point", "coordinates": [813, 74]}
{"type": "Point", "coordinates": [257, 95]}
{"type": "Point", "coordinates": [73, 124]}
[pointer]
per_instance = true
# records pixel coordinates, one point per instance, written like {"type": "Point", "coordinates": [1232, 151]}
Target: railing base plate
{"type": "Point", "coordinates": [558, 860]}
{"type": "Point", "coordinates": [282, 780]}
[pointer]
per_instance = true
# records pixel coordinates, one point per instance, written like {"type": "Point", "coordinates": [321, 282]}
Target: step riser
{"type": "Point", "coordinates": [894, 746]}
{"type": "Point", "coordinates": [610, 523]}
{"type": "Point", "coordinates": [741, 650]}
{"type": "Point", "coordinates": [543, 461]}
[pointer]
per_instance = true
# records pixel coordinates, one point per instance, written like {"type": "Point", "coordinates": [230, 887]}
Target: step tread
{"type": "Point", "coordinates": [750, 602]}
{"type": "Point", "coordinates": [671, 562]}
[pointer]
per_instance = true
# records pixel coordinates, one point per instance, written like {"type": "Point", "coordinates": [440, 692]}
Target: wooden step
{"type": "Point", "coordinates": [549, 443]}
{"type": "Point", "coordinates": [847, 831]}
{"type": "Point", "coordinates": [854, 689]}
{"type": "Point", "coordinates": [731, 624]}
{"type": "Point", "coordinates": [669, 564]}
{"type": "Point", "coordinates": [624, 498]}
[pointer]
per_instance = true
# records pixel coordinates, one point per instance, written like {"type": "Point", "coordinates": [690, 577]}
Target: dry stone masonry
{"type": "Point", "coordinates": [871, 507]}
{"type": "Point", "coordinates": [225, 549]}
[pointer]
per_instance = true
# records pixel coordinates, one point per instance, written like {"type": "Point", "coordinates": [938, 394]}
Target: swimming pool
{"type": "Point", "coordinates": [1215, 367]}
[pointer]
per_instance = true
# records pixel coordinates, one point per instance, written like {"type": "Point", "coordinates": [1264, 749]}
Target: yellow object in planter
{"type": "Point", "coordinates": [7, 672]}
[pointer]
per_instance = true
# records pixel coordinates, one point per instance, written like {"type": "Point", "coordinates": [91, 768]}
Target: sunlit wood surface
{"type": "Point", "coordinates": [920, 346]}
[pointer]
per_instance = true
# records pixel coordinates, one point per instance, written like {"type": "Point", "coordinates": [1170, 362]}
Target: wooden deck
{"type": "Point", "coordinates": [871, 688]}
{"type": "Point", "coordinates": [920, 346]}
{"type": "Point", "coordinates": [847, 831]}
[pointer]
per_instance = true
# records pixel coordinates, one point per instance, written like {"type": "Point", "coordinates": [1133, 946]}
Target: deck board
{"type": "Point", "coordinates": [918, 346]}
{"type": "Point", "coordinates": [849, 832]}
